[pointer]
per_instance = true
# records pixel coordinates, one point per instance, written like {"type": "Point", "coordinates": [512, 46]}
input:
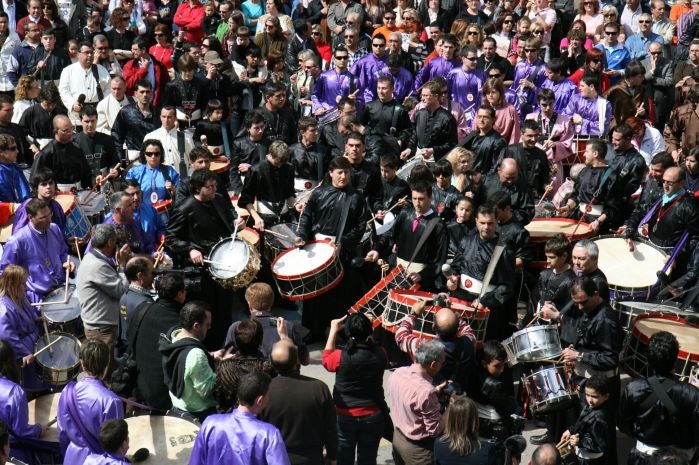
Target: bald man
{"type": "Point", "coordinates": [508, 178]}
{"type": "Point", "coordinates": [63, 157]}
{"type": "Point", "coordinates": [545, 454]}
{"type": "Point", "coordinates": [458, 338]}
{"type": "Point", "coordinates": [301, 407]}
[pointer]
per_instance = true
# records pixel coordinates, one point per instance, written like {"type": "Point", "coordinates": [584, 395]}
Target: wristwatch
{"type": "Point", "coordinates": [579, 357]}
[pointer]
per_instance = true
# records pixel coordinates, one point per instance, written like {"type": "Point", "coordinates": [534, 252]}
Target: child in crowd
{"type": "Point", "coordinates": [594, 431]}
{"type": "Point", "coordinates": [462, 223]}
{"type": "Point", "coordinates": [444, 195]}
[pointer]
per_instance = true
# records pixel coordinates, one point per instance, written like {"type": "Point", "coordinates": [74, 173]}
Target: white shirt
{"type": "Point", "coordinates": [651, 144]}
{"type": "Point", "coordinates": [7, 61]}
{"type": "Point", "coordinates": [11, 10]}
{"type": "Point", "coordinates": [169, 141]}
{"type": "Point", "coordinates": [107, 110]}
{"type": "Point", "coordinates": [76, 81]}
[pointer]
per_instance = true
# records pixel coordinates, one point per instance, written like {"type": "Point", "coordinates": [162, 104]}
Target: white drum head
{"type": "Point", "coordinates": [168, 439]}
{"type": "Point", "coordinates": [635, 269]}
{"type": "Point", "coordinates": [92, 202]}
{"type": "Point", "coordinates": [42, 410]}
{"type": "Point", "coordinates": [231, 258]}
{"type": "Point", "coordinates": [388, 221]}
{"type": "Point", "coordinates": [302, 260]}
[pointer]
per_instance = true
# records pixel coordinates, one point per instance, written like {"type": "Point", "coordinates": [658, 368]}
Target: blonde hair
{"type": "Point", "coordinates": [12, 277]}
{"type": "Point", "coordinates": [259, 296]}
{"type": "Point", "coordinates": [24, 85]}
{"type": "Point", "coordinates": [456, 154]}
{"type": "Point", "coordinates": [461, 426]}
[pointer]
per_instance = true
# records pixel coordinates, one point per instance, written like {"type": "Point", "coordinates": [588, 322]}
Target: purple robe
{"type": "Point", "coordinates": [21, 218]}
{"type": "Point", "coordinates": [402, 82]}
{"type": "Point", "coordinates": [94, 404]}
{"type": "Point", "coordinates": [105, 459]}
{"type": "Point", "coordinates": [366, 71]}
{"type": "Point", "coordinates": [466, 87]}
{"type": "Point", "coordinates": [587, 109]}
{"type": "Point", "coordinates": [14, 410]}
{"type": "Point", "coordinates": [563, 90]}
{"type": "Point", "coordinates": [42, 255]}
{"type": "Point", "coordinates": [241, 438]}
{"type": "Point", "coordinates": [332, 84]}
{"type": "Point", "coordinates": [436, 67]}
{"type": "Point", "coordinates": [523, 69]}
{"type": "Point", "coordinates": [19, 328]}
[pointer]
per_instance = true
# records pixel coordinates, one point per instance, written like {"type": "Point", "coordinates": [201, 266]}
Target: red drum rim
{"type": "Point", "coordinates": [407, 297]}
{"type": "Point", "coordinates": [683, 353]}
{"type": "Point", "coordinates": [310, 295]}
{"type": "Point", "coordinates": [224, 163]}
{"type": "Point", "coordinates": [584, 234]}
{"type": "Point", "coordinates": [305, 274]}
{"type": "Point", "coordinates": [254, 233]}
{"type": "Point", "coordinates": [377, 288]}
{"type": "Point", "coordinates": [72, 206]}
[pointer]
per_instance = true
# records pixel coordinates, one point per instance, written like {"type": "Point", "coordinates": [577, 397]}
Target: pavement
{"type": "Point", "coordinates": [316, 370]}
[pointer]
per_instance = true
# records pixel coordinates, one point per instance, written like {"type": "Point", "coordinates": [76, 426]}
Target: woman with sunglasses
{"type": "Point", "coordinates": [590, 15]}
{"type": "Point", "coordinates": [163, 48]}
{"type": "Point", "coordinates": [158, 181]}
{"type": "Point", "coordinates": [505, 32]}
{"type": "Point", "coordinates": [59, 26]}
{"type": "Point", "coordinates": [120, 36]}
{"type": "Point", "coordinates": [272, 38]}
{"type": "Point", "coordinates": [609, 15]}
{"type": "Point", "coordinates": [274, 10]}
{"type": "Point", "coordinates": [595, 62]}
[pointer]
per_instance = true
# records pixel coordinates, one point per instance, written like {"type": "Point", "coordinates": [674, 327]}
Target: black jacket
{"type": "Point", "coordinates": [131, 126]}
{"type": "Point", "coordinates": [436, 130]}
{"type": "Point", "coordinates": [520, 196]}
{"type": "Point", "coordinates": [67, 162]}
{"type": "Point", "coordinates": [310, 162]}
{"type": "Point", "coordinates": [54, 63]}
{"type": "Point", "coordinates": [281, 125]}
{"type": "Point", "coordinates": [358, 381]}
{"type": "Point", "coordinates": [160, 316]}
{"type": "Point", "coordinates": [366, 179]}
{"type": "Point", "coordinates": [174, 357]}
{"type": "Point", "coordinates": [293, 48]}
{"type": "Point", "coordinates": [533, 165]}
{"type": "Point", "coordinates": [389, 119]}
{"type": "Point", "coordinates": [245, 150]}
{"type": "Point", "coordinates": [488, 149]}
{"type": "Point", "coordinates": [199, 225]}
{"type": "Point", "coordinates": [268, 184]}
{"type": "Point", "coordinates": [610, 195]}
{"type": "Point", "coordinates": [667, 223]}
{"type": "Point", "coordinates": [600, 338]}
{"type": "Point", "coordinates": [631, 169]}
{"type": "Point", "coordinates": [99, 151]}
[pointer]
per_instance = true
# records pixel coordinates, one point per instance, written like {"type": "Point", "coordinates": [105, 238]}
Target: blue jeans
{"type": "Point", "coordinates": [362, 434]}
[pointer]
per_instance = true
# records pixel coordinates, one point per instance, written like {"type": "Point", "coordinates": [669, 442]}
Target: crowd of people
{"type": "Point", "coordinates": [140, 138]}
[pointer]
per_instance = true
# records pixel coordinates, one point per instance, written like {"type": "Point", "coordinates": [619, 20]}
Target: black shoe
{"type": "Point", "coordinates": [542, 439]}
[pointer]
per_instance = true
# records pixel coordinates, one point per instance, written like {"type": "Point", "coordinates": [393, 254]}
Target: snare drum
{"type": "Point", "coordinates": [533, 344]}
{"type": "Point", "coordinates": [634, 355]}
{"type": "Point", "coordinates": [389, 220]}
{"type": "Point", "coordinates": [274, 245]}
{"type": "Point", "coordinates": [400, 302]}
{"type": "Point", "coordinates": [59, 363]}
{"type": "Point", "coordinates": [694, 376]}
{"type": "Point", "coordinates": [542, 229]}
{"type": "Point", "coordinates": [63, 317]}
{"type": "Point", "coordinates": [42, 410]}
{"type": "Point", "coordinates": [163, 206]}
{"type": "Point", "coordinates": [629, 310]}
{"type": "Point", "coordinates": [305, 272]}
{"type": "Point", "coordinates": [550, 389]}
{"type": "Point", "coordinates": [630, 274]}
{"type": "Point", "coordinates": [404, 171]}
{"type": "Point", "coordinates": [169, 439]}
{"type": "Point", "coordinates": [251, 236]}
{"type": "Point", "coordinates": [77, 223]}
{"type": "Point", "coordinates": [578, 147]}
{"type": "Point", "coordinates": [236, 263]}
{"type": "Point", "coordinates": [92, 204]}
{"type": "Point", "coordinates": [375, 301]}
{"type": "Point", "coordinates": [242, 212]}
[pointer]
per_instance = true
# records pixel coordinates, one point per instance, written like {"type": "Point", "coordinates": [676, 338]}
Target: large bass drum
{"type": "Point", "coordinates": [305, 272]}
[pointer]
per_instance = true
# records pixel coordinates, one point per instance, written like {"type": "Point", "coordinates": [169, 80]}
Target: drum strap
{"type": "Point", "coordinates": [343, 220]}
{"type": "Point", "coordinates": [226, 145]}
{"type": "Point", "coordinates": [180, 149]}
{"type": "Point", "coordinates": [662, 395]}
{"type": "Point", "coordinates": [96, 75]}
{"type": "Point", "coordinates": [423, 238]}
{"type": "Point", "coordinates": [143, 307]}
{"type": "Point", "coordinates": [394, 119]}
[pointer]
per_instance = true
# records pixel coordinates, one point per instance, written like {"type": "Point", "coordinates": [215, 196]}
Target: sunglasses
{"type": "Point", "coordinates": [473, 33]}
{"type": "Point", "coordinates": [315, 33]}
{"type": "Point", "coordinates": [152, 154]}
{"type": "Point", "coordinates": [410, 20]}
{"type": "Point", "coordinates": [645, 21]}
{"type": "Point", "coordinates": [611, 33]}
{"type": "Point", "coordinates": [389, 18]}
{"type": "Point", "coordinates": [378, 45]}
{"type": "Point", "coordinates": [537, 31]}
{"type": "Point", "coordinates": [471, 58]}
{"type": "Point", "coordinates": [341, 57]}
{"type": "Point", "coordinates": [530, 50]}
{"type": "Point", "coordinates": [494, 76]}
{"type": "Point", "coordinates": [656, 53]}
{"type": "Point", "coordinates": [507, 21]}
{"type": "Point", "coordinates": [609, 15]}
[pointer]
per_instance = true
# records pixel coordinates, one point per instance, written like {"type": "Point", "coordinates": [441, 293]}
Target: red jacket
{"type": "Point", "coordinates": [190, 18]}
{"type": "Point", "coordinates": [43, 24]}
{"type": "Point", "coordinates": [134, 73]}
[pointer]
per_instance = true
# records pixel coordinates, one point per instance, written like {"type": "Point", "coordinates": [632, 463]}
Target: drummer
{"type": "Point", "coordinates": [196, 225]}
{"type": "Point", "coordinates": [653, 185]}
{"type": "Point", "coordinates": [129, 230]}
{"type": "Point", "coordinates": [248, 148]}
{"type": "Point", "coordinates": [424, 266]}
{"type": "Point", "coordinates": [43, 187]}
{"type": "Point", "coordinates": [84, 405]}
{"type": "Point", "coordinates": [669, 217]}
{"type": "Point", "coordinates": [18, 323]}
{"type": "Point", "coordinates": [321, 219]}
{"type": "Point", "coordinates": [41, 249]}
{"type": "Point", "coordinates": [555, 280]}
{"type": "Point", "coordinates": [309, 156]}
{"type": "Point", "coordinates": [469, 267]}
{"type": "Point", "coordinates": [14, 403]}
{"type": "Point", "coordinates": [268, 191]}
{"type": "Point", "coordinates": [200, 157]}
{"type": "Point", "coordinates": [597, 196]}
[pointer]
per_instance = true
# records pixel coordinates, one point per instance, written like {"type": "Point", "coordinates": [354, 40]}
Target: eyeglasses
{"type": "Point", "coordinates": [378, 45]}
{"type": "Point", "coordinates": [656, 53]}
{"type": "Point", "coordinates": [341, 57]}
{"type": "Point", "coordinates": [315, 33]}
{"type": "Point", "coordinates": [471, 58]}
{"type": "Point", "coordinates": [87, 52]}
{"type": "Point", "coordinates": [152, 154]}
{"type": "Point", "coordinates": [389, 18]}
{"type": "Point", "coordinates": [494, 76]}
{"type": "Point", "coordinates": [611, 33]}
{"type": "Point", "coordinates": [507, 21]}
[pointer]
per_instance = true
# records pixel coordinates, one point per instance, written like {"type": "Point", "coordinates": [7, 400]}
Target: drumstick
{"type": "Point", "coordinates": [235, 233]}
{"type": "Point", "coordinates": [548, 189]}
{"type": "Point", "coordinates": [159, 258]}
{"type": "Point", "coordinates": [54, 419]}
{"type": "Point", "coordinates": [77, 249]}
{"type": "Point", "coordinates": [221, 265]}
{"type": "Point", "coordinates": [562, 444]}
{"type": "Point", "coordinates": [392, 207]}
{"type": "Point", "coordinates": [46, 329]}
{"type": "Point", "coordinates": [280, 236]}
{"type": "Point", "coordinates": [47, 346]}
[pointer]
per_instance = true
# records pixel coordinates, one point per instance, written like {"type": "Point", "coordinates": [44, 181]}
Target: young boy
{"type": "Point", "coordinates": [496, 403]}
{"type": "Point", "coordinates": [396, 191]}
{"type": "Point", "coordinates": [444, 195]}
{"type": "Point", "coordinates": [462, 223]}
{"type": "Point", "coordinates": [594, 431]}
